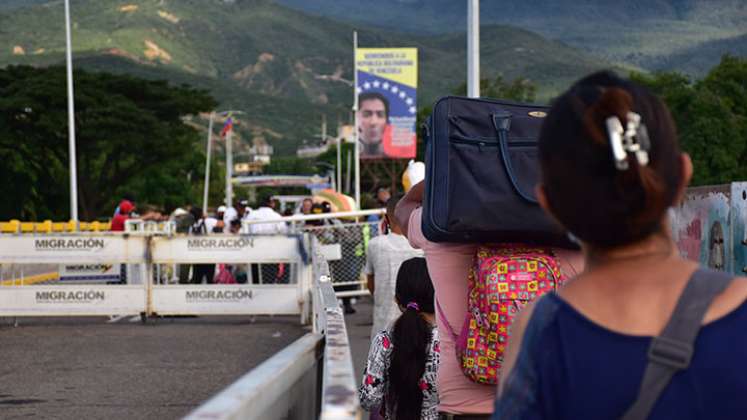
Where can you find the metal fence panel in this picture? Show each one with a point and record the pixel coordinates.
(352, 240)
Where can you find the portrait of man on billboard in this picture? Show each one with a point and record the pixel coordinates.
(373, 124)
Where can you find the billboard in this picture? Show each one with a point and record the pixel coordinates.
(387, 102)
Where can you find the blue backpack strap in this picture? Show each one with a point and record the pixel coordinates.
(672, 350)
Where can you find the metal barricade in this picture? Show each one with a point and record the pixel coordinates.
(249, 298)
(142, 253)
(343, 241)
(345, 246)
(72, 299)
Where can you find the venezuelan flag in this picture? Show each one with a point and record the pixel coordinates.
(228, 126)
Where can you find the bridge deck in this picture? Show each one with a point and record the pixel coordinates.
(71, 368)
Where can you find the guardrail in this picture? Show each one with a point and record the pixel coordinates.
(312, 378)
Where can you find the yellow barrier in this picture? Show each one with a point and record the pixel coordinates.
(10, 227)
(43, 227)
(48, 226)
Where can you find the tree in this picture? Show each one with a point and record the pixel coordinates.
(130, 138)
(711, 118)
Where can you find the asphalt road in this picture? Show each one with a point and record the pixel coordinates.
(86, 368)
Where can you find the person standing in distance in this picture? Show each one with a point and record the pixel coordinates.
(384, 256)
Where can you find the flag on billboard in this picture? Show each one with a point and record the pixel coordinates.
(228, 126)
(387, 102)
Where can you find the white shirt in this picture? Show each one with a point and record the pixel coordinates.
(229, 215)
(266, 213)
(210, 223)
(384, 256)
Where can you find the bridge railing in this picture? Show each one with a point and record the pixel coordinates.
(313, 378)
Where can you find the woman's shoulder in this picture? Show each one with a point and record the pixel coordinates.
(731, 299)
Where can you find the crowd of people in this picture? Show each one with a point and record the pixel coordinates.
(635, 332)
(191, 220)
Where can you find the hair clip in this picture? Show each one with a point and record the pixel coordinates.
(633, 139)
(414, 306)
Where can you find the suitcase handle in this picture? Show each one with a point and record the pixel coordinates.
(502, 124)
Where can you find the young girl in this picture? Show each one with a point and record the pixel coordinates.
(400, 375)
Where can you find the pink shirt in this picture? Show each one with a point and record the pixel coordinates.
(448, 266)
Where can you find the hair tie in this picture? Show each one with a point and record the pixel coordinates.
(414, 306)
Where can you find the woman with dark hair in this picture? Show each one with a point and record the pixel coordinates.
(400, 375)
(602, 347)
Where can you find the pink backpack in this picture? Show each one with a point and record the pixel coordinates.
(502, 281)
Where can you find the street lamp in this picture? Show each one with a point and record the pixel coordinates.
(473, 48)
(229, 160)
(71, 119)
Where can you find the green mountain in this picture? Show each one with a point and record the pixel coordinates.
(283, 67)
(693, 59)
(639, 32)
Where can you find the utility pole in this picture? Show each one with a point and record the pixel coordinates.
(71, 120)
(473, 48)
(229, 167)
(355, 129)
(207, 164)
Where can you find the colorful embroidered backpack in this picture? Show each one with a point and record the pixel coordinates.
(502, 281)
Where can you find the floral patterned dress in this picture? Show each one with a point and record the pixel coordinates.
(374, 385)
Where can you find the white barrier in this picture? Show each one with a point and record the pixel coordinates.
(235, 299)
(72, 300)
(224, 248)
(147, 251)
(66, 248)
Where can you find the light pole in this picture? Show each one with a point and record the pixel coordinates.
(355, 128)
(207, 164)
(473, 48)
(71, 120)
(229, 160)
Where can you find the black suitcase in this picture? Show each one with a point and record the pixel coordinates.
(481, 168)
